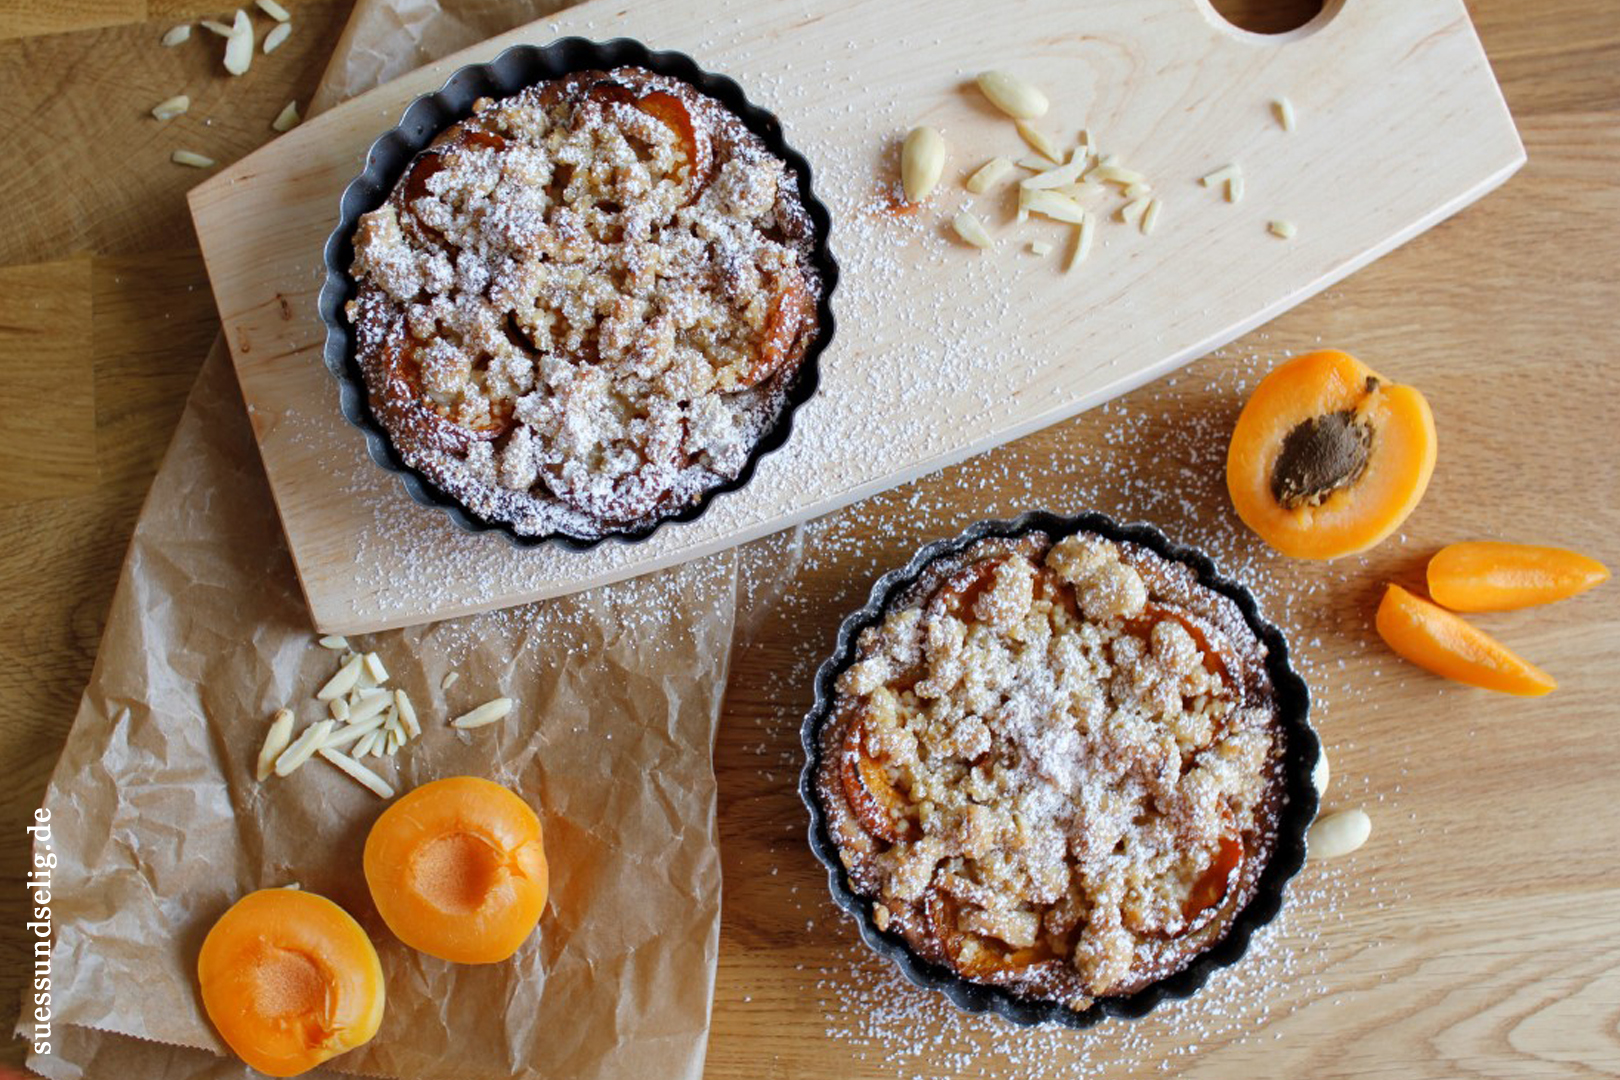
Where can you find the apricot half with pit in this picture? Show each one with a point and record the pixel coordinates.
(1329, 457)
(457, 870)
(290, 980)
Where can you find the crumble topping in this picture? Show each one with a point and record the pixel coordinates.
(1055, 768)
(582, 306)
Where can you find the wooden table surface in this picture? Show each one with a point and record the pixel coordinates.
(1475, 934)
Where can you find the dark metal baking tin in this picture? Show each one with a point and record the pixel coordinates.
(1298, 810)
(392, 154)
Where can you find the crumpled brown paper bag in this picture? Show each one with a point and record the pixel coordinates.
(158, 824)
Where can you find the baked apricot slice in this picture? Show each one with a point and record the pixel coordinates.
(1433, 638)
(1329, 457)
(876, 803)
(1491, 575)
(458, 871)
(789, 313)
(672, 112)
(290, 980)
(978, 956)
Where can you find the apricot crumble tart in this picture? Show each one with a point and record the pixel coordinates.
(1055, 767)
(583, 306)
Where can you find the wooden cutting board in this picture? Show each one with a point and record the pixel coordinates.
(941, 351)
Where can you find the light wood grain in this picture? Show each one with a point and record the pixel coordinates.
(1380, 85)
(1493, 954)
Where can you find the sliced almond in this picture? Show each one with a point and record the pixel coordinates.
(334, 642)
(1082, 191)
(449, 680)
(1012, 95)
(368, 742)
(222, 29)
(351, 733)
(303, 748)
(273, 9)
(342, 682)
(407, 713)
(191, 159)
(487, 713)
(339, 708)
(1131, 213)
(1321, 773)
(1284, 111)
(1234, 189)
(1220, 175)
(1284, 229)
(277, 739)
(1337, 834)
(239, 44)
(1051, 204)
(278, 33)
(169, 108)
(971, 229)
(1033, 163)
(1116, 174)
(1150, 217)
(1136, 191)
(988, 175)
(1082, 241)
(358, 772)
(287, 118)
(369, 706)
(374, 665)
(176, 35)
(1039, 141)
(1041, 248)
(1062, 176)
(922, 163)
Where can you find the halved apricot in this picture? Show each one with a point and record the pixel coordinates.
(673, 113)
(290, 980)
(458, 871)
(876, 803)
(1329, 457)
(790, 311)
(1433, 638)
(978, 956)
(1491, 575)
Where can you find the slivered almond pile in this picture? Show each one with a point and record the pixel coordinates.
(367, 719)
(1077, 186)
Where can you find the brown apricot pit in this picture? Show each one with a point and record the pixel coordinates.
(1322, 455)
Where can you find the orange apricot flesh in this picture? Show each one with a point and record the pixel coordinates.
(458, 870)
(1328, 457)
(1433, 638)
(1491, 575)
(290, 980)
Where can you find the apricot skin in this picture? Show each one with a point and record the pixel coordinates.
(457, 869)
(1433, 638)
(290, 980)
(1361, 514)
(1490, 575)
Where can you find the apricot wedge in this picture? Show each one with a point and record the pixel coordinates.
(1490, 575)
(1433, 638)
(1328, 457)
(290, 980)
(457, 870)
